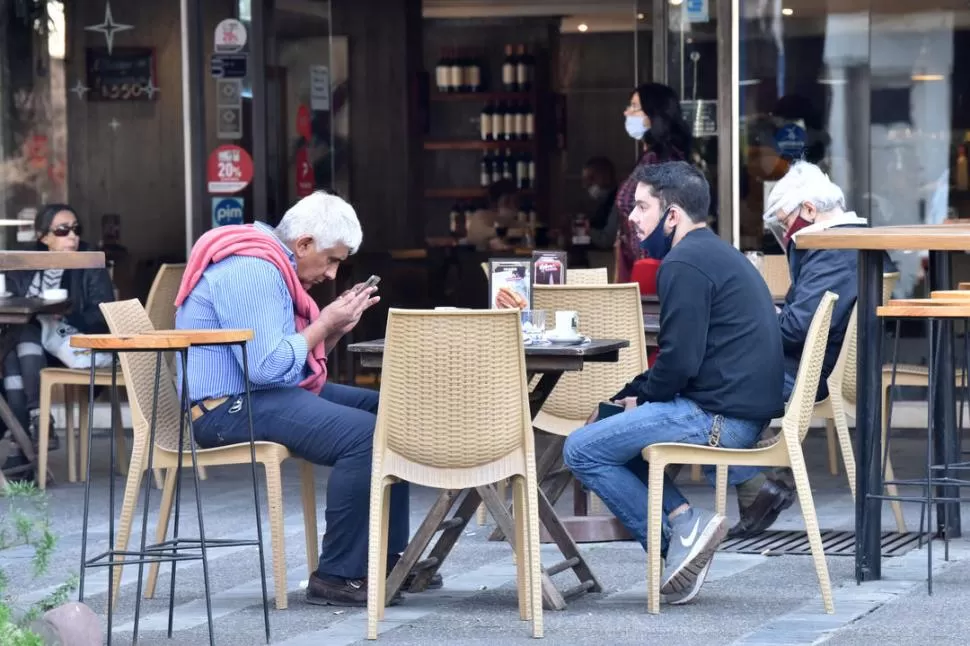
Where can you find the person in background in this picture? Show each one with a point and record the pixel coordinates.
(599, 180)
(805, 199)
(715, 382)
(57, 229)
(485, 228)
(653, 118)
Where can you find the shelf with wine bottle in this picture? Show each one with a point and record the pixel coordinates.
(460, 71)
(472, 144)
(482, 96)
(465, 193)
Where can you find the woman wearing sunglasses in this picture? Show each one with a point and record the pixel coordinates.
(57, 229)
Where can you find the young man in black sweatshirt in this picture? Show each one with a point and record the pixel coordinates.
(716, 381)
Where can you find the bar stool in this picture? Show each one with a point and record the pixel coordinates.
(179, 548)
(939, 474)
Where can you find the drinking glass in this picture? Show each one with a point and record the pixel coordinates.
(534, 326)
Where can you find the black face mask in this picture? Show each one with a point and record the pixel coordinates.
(658, 246)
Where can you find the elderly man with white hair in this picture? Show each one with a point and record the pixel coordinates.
(255, 277)
(805, 199)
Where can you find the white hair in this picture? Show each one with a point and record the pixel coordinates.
(326, 218)
(804, 182)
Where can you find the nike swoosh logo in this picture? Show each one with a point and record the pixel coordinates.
(690, 538)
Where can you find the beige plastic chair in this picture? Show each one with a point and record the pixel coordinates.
(774, 269)
(75, 383)
(786, 451)
(467, 426)
(129, 317)
(597, 276)
(841, 402)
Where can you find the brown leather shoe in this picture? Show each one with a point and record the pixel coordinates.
(773, 498)
(351, 593)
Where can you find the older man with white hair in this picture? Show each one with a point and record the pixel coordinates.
(805, 199)
(255, 277)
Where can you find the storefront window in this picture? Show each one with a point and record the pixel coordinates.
(870, 95)
(33, 121)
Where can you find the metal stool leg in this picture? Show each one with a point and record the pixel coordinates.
(111, 492)
(148, 488)
(259, 522)
(178, 501)
(87, 484)
(198, 497)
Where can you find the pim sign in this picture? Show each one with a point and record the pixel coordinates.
(227, 210)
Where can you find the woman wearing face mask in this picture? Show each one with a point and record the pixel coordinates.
(653, 118)
(57, 229)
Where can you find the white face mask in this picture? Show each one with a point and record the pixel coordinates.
(635, 127)
(596, 191)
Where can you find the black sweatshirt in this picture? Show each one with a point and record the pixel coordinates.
(720, 345)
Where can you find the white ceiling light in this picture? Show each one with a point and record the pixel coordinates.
(787, 11)
(676, 3)
(582, 26)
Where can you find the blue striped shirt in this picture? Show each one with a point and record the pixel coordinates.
(250, 293)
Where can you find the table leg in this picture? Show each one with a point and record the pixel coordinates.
(868, 564)
(946, 439)
(17, 431)
(433, 523)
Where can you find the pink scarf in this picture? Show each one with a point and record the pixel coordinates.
(245, 240)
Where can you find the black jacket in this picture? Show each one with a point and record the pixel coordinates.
(719, 341)
(814, 272)
(86, 289)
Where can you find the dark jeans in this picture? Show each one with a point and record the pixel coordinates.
(21, 371)
(335, 429)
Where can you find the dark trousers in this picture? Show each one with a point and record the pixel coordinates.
(22, 364)
(335, 429)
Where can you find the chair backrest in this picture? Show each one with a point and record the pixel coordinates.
(843, 377)
(775, 271)
(605, 312)
(130, 317)
(454, 409)
(799, 414)
(597, 276)
(161, 297)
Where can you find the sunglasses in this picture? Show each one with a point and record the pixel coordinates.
(65, 229)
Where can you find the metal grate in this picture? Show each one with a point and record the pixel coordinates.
(779, 543)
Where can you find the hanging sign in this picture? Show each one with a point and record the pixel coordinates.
(230, 170)
(230, 36)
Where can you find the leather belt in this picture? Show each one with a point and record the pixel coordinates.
(207, 405)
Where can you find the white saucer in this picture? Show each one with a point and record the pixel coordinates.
(565, 340)
(53, 300)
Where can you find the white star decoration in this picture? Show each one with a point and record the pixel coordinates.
(108, 27)
(114, 124)
(151, 89)
(80, 89)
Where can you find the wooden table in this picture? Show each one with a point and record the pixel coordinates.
(16, 311)
(872, 243)
(550, 362)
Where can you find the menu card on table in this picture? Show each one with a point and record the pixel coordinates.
(549, 267)
(510, 283)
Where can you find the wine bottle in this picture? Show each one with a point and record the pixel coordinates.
(523, 69)
(508, 123)
(518, 127)
(497, 164)
(454, 72)
(529, 123)
(508, 165)
(485, 125)
(522, 171)
(508, 70)
(441, 71)
(473, 75)
(486, 170)
(531, 171)
(453, 219)
(498, 122)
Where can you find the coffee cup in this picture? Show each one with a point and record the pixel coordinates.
(567, 324)
(54, 294)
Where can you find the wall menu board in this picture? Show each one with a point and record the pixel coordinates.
(127, 74)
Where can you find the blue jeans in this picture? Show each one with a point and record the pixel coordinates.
(605, 456)
(335, 429)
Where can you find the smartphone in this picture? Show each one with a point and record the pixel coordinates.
(371, 282)
(608, 409)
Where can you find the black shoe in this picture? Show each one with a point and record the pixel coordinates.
(351, 593)
(53, 442)
(773, 498)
